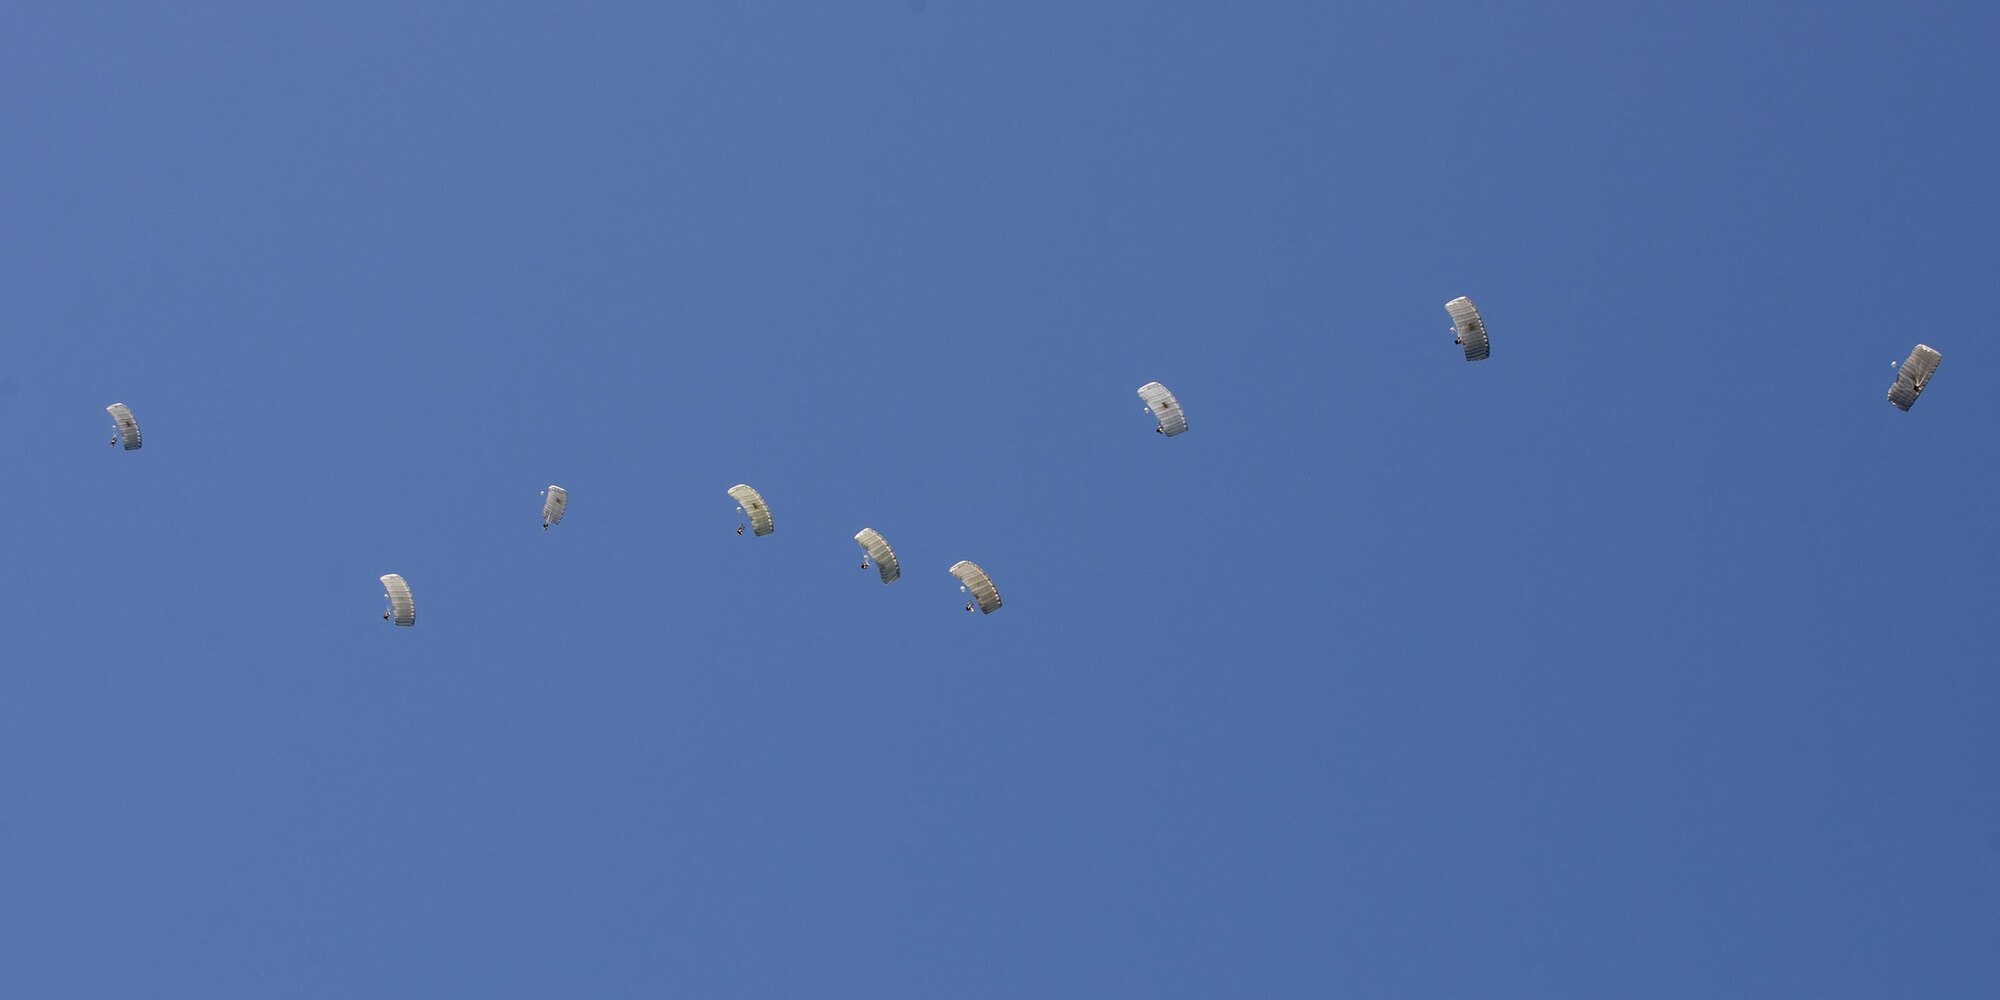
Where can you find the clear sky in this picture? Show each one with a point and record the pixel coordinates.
(1653, 657)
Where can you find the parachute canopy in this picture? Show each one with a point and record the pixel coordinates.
(981, 585)
(1166, 409)
(1470, 328)
(553, 507)
(126, 423)
(1910, 381)
(754, 507)
(884, 557)
(402, 607)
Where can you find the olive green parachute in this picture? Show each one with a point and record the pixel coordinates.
(753, 506)
(878, 551)
(1468, 327)
(1165, 409)
(974, 579)
(126, 425)
(402, 607)
(1910, 380)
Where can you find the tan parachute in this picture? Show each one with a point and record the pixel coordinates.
(1468, 328)
(553, 507)
(126, 424)
(1164, 408)
(402, 607)
(974, 579)
(1910, 380)
(876, 550)
(752, 504)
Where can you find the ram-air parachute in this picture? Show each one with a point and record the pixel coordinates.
(752, 504)
(402, 607)
(1910, 380)
(1164, 408)
(126, 425)
(553, 507)
(1469, 331)
(876, 549)
(974, 579)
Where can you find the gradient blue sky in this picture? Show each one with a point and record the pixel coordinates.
(1654, 657)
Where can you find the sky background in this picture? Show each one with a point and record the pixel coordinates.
(1654, 657)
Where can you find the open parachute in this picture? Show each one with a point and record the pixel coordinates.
(1469, 329)
(753, 506)
(878, 551)
(554, 505)
(402, 607)
(126, 424)
(1910, 380)
(975, 580)
(1165, 409)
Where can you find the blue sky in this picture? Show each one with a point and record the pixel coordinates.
(1652, 657)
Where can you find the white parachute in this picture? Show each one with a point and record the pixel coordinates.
(1468, 329)
(126, 425)
(553, 507)
(751, 504)
(876, 549)
(974, 579)
(1164, 408)
(402, 607)
(1910, 380)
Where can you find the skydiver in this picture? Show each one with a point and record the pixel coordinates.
(739, 529)
(968, 605)
(1159, 429)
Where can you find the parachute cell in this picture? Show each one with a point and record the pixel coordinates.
(1910, 380)
(1471, 330)
(1166, 409)
(754, 507)
(402, 607)
(126, 424)
(553, 507)
(878, 550)
(981, 585)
